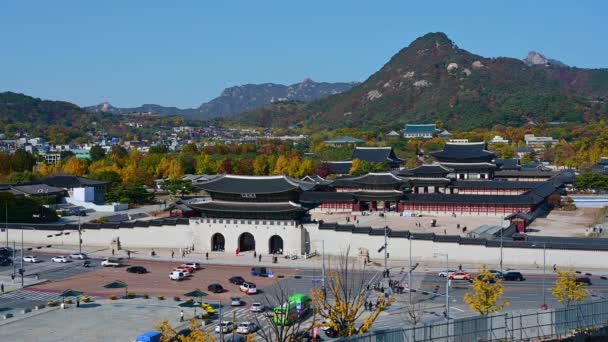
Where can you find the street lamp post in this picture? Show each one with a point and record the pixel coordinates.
(544, 306)
(385, 249)
(409, 274)
(79, 235)
(447, 285)
(501, 229)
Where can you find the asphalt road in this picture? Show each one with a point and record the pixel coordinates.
(46, 269)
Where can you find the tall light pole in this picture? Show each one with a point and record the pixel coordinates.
(79, 235)
(409, 274)
(323, 262)
(6, 222)
(544, 306)
(447, 285)
(22, 270)
(501, 221)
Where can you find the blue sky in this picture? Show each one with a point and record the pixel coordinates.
(182, 53)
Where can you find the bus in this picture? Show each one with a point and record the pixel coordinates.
(297, 307)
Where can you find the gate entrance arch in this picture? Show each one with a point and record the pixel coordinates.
(246, 242)
(218, 242)
(275, 245)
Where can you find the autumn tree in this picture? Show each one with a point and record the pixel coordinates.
(97, 153)
(5, 163)
(225, 166)
(175, 170)
(306, 168)
(567, 290)
(282, 166)
(341, 301)
(356, 167)
(197, 333)
(167, 331)
(75, 166)
(260, 165)
(487, 290)
(49, 169)
(204, 165)
(22, 161)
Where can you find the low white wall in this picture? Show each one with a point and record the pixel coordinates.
(398, 248)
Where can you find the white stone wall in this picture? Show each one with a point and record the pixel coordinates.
(423, 250)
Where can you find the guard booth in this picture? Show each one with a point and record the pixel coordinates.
(520, 221)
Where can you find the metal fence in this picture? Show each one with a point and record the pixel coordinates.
(503, 327)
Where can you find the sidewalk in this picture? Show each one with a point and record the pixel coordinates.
(247, 259)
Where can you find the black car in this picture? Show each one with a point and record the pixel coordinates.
(6, 261)
(137, 269)
(215, 288)
(491, 280)
(184, 332)
(583, 281)
(236, 280)
(513, 276)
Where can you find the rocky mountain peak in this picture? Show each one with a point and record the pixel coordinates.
(536, 58)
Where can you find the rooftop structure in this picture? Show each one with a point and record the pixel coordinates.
(343, 141)
(377, 155)
(424, 131)
(463, 153)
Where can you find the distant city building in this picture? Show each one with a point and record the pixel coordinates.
(539, 143)
(522, 151)
(459, 141)
(424, 131)
(499, 140)
(343, 141)
(52, 158)
(392, 135)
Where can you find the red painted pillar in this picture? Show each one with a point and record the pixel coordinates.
(374, 206)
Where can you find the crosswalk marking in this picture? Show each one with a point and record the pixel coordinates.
(31, 295)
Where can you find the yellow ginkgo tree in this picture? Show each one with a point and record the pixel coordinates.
(342, 302)
(485, 295)
(567, 290)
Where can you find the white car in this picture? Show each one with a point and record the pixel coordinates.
(30, 258)
(177, 275)
(257, 307)
(60, 258)
(445, 273)
(111, 262)
(194, 265)
(248, 288)
(80, 256)
(246, 327)
(235, 301)
(224, 327)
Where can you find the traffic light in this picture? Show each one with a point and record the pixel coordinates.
(21, 271)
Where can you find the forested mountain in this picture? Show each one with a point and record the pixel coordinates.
(239, 99)
(433, 79)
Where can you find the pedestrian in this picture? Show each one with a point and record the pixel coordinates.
(445, 232)
(255, 254)
(460, 267)
(2, 287)
(181, 316)
(112, 251)
(183, 253)
(554, 267)
(129, 254)
(207, 255)
(77, 302)
(172, 254)
(259, 257)
(388, 273)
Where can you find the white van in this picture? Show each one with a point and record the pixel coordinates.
(177, 275)
(248, 288)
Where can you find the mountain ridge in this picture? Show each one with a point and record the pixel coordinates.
(433, 79)
(238, 99)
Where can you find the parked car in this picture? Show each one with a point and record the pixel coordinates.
(137, 269)
(511, 276)
(177, 275)
(257, 307)
(248, 288)
(490, 280)
(6, 261)
(583, 281)
(246, 327)
(80, 256)
(60, 258)
(259, 271)
(224, 327)
(460, 276)
(183, 270)
(445, 273)
(236, 280)
(215, 288)
(31, 258)
(496, 273)
(111, 262)
(184, 332)
(193, 265)
(235, 301)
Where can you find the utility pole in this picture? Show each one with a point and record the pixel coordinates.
(447, 285)
(323, 262)
(385, 248)
(544, 274)
(6, 222)
(409, 274)
(79, 235)
(221, 327)
(22, 270)
(501, 221)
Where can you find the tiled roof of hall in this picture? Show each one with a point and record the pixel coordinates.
(237, 184)
(375, 154)
(524, 199)
(488, 184)
(316, 179)
(247, 207)
(469, 166)
(372, 178)
(430, 169)
(463, 151)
